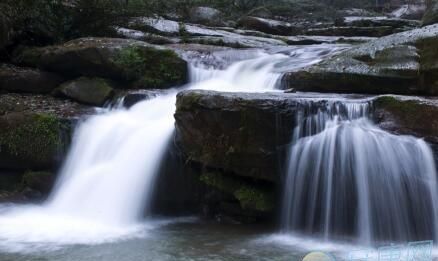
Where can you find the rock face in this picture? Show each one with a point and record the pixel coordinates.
(431, 15)
(240, 133)
(206, 15)
(144, 65)
(19, 79)
(93, 91)
(35, 130)
(408, 116)
(403, 63)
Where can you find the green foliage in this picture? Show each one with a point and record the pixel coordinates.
(151, 68)
(250, 196)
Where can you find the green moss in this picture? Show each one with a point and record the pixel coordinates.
(250, 196)
(31, 136)
(254, 198)
(152, 68)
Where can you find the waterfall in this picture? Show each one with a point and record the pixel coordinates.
(348, 179)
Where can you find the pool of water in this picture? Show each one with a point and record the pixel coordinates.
(189, 239)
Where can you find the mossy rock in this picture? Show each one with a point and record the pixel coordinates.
(130, 61)
(93, 91)
(152, 68)
(29, 140)
(250, 196)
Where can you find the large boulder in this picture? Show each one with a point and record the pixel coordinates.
(92, 91)
(145, 65)
(403, 63)
(206, 15)
(431, 15)
(21, 79)
(236, 132)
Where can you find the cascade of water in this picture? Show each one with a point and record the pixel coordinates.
(107, 179)
(349, 179)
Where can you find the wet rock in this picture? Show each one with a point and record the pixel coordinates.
(268, 26)
(92, 91)
(408, 115)
(146, 37)
(356, 12)
(431, 15)
(142, 64)
(206, 15)
(21, 79)
(236, 132)
(403, 63)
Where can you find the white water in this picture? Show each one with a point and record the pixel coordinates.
(108, 178)
(348, 179)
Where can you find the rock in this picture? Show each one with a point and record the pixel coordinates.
(206, 15)
(403, 63)
(431, 15)
(356, 12)
(408, 115)
(20, 79)
(145, 65)
(268, 26)
(41, 181)
(30, 140)
(349, 31)
(395, 23)
(93, 91)
(146, 37)
(409, 11)
(236, 132)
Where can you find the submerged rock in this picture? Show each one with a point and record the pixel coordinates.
(403, 63)
(431, 15)
(142, 64)
(93, 91)
(21, 79)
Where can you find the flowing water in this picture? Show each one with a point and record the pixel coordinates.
(348, 179)
(97, 209)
